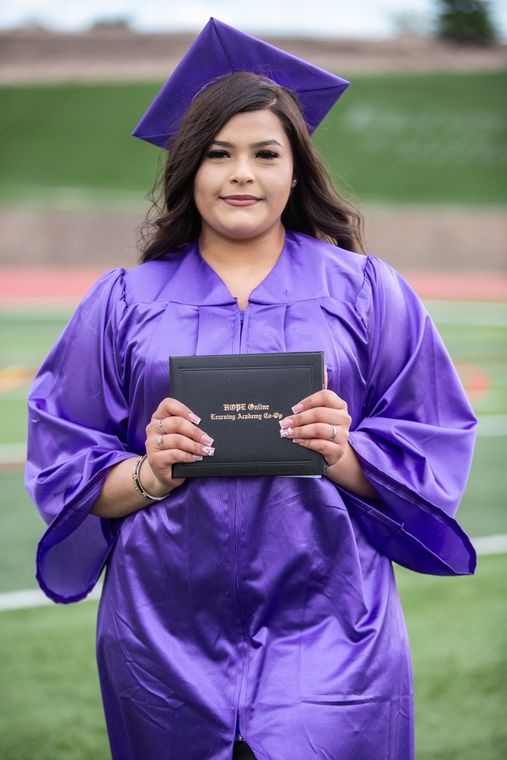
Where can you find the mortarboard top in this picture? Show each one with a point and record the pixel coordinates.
(220, 50)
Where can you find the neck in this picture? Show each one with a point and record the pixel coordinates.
(235, 254)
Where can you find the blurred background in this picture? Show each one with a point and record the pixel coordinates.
(418, 142)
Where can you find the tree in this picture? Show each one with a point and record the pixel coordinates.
(466, 22)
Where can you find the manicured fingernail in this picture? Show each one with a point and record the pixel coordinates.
(286, 432)
(297, 440)
(298, 408)
(208, 451)
(287, 422)
(205, 438)
(195, 458)
(194, 418)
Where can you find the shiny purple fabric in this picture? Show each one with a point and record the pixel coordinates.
(267, 599)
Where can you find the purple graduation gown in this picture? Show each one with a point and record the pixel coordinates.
(270, 601)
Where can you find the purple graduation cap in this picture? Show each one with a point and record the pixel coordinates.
(220, 50)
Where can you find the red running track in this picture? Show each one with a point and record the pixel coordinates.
(57, 286)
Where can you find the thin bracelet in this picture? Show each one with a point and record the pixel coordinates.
(139, 486)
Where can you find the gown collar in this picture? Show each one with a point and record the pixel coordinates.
(296, 274)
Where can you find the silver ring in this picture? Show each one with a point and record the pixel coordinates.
(160, 442)
(333, 433)
(159, 427)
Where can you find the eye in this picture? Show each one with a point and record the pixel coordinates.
(216, 154)
(267, 154)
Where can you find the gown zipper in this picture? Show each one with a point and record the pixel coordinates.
(241, 318)
(237, 735)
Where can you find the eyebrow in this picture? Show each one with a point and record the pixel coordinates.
(253, 145)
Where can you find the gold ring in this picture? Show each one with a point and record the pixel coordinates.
(160, 442)
(333, 432)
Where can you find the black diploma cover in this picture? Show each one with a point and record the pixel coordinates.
(240, 399)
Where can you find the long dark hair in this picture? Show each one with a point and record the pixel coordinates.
(314, 206)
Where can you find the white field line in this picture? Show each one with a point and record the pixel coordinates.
(491, 425)
(467, 313)
(487, 545)
(18, 600)
(12, 453)
(468, 321)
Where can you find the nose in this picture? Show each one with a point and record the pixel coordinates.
(242, 172)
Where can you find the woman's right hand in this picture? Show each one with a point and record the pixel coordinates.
(172, 436)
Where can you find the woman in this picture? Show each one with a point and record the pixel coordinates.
(264, 605)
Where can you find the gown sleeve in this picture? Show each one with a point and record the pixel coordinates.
(77, 422)
(416, 435)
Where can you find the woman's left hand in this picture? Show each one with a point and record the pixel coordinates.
(312, 424)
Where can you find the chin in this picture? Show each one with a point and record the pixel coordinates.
(242, 231)
(250, 232)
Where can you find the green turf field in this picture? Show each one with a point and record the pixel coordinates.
(428, 138)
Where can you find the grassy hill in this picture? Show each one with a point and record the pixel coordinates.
(416, 138)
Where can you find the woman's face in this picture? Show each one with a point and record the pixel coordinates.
(250, 156)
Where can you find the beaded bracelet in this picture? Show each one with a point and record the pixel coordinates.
(139, 486)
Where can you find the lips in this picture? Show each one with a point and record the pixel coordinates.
(240, 200)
